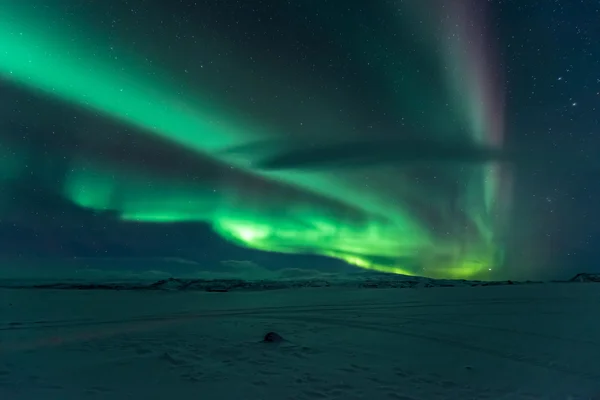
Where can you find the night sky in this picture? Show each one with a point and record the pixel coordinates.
(445, 138)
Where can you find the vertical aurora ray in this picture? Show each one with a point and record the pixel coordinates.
(474, 78)
(472, 75)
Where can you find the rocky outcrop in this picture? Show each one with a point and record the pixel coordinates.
(585, 277)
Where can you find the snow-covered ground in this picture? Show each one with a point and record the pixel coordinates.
(539, 341)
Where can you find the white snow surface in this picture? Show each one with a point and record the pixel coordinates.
(529, 342)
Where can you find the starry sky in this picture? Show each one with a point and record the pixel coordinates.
(452, 139)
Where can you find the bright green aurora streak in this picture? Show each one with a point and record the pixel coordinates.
(284, 212)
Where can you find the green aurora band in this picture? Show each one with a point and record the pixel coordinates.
(289, 212)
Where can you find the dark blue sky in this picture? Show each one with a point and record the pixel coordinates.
(552, 58)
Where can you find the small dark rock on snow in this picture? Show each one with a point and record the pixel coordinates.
(273, 337)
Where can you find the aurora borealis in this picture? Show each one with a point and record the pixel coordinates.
(150, 129)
